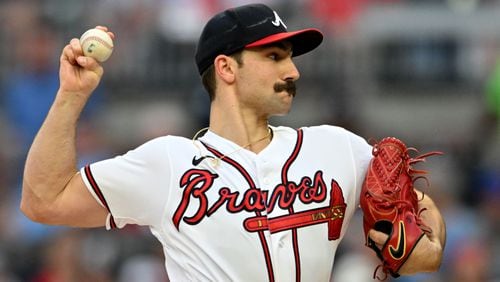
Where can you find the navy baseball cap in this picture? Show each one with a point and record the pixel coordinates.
(249, 26)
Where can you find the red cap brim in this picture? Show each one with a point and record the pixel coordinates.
(303, 40)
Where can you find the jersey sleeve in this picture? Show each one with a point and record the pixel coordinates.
(133, 187)
(362, 154)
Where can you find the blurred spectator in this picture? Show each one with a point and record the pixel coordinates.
(29, 91)
(31, 86)
(144, 268)
(99, 252)
(493, 92)
(336, 16)
(60, 259)
(182, 20)
(471, 262)
(134, 24)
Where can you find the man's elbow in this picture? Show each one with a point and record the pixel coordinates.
(34, 209)
(29, 210)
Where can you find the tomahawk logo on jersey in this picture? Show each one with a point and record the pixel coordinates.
(196, 182)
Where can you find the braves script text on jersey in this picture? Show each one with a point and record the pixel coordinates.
(273, 216)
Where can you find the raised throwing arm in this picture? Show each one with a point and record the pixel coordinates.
(53, 191)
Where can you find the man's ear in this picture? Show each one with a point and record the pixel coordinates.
(224, 68)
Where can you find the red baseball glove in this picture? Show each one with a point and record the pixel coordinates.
(390, 204)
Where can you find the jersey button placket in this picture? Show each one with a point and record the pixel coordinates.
(264, 172)
(268, 174)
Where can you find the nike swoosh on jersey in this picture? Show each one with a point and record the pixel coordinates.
(399, 252)
(197, 161)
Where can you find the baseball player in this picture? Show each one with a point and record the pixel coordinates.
(242, 200)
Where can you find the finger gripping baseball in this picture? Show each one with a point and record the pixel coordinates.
(390, 204)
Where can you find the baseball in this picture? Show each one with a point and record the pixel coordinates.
(97, 44)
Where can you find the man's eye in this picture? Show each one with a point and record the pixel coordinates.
(273, 56)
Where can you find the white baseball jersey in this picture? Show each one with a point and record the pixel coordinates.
(278, 215)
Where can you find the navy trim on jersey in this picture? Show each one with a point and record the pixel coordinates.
(251, 183)
(99, 194)
(284, 179)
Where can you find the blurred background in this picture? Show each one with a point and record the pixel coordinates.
(426, 71)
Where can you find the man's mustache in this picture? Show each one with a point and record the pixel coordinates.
(289, 86)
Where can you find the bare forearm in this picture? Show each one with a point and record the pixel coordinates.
(433, 218)
(51, 161)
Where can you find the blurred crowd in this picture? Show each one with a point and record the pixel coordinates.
(151, 88)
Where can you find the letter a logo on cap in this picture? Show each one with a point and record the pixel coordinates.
(277, 20)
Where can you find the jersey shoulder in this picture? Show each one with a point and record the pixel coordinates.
(330, 135)
(160, 150)
(323, 132)
(168, 141)
(317, 129)
(326, 128)
(329, 131)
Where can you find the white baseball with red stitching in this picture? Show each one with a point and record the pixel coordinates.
(97, 44)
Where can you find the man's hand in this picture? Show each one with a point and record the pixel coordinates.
(379, 238)
(427, 254)
(79, 75)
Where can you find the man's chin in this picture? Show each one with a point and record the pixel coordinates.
(287, 93)
(282, 113)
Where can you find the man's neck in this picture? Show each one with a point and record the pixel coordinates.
(243, 128)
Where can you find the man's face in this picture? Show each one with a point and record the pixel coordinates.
(266, 79)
